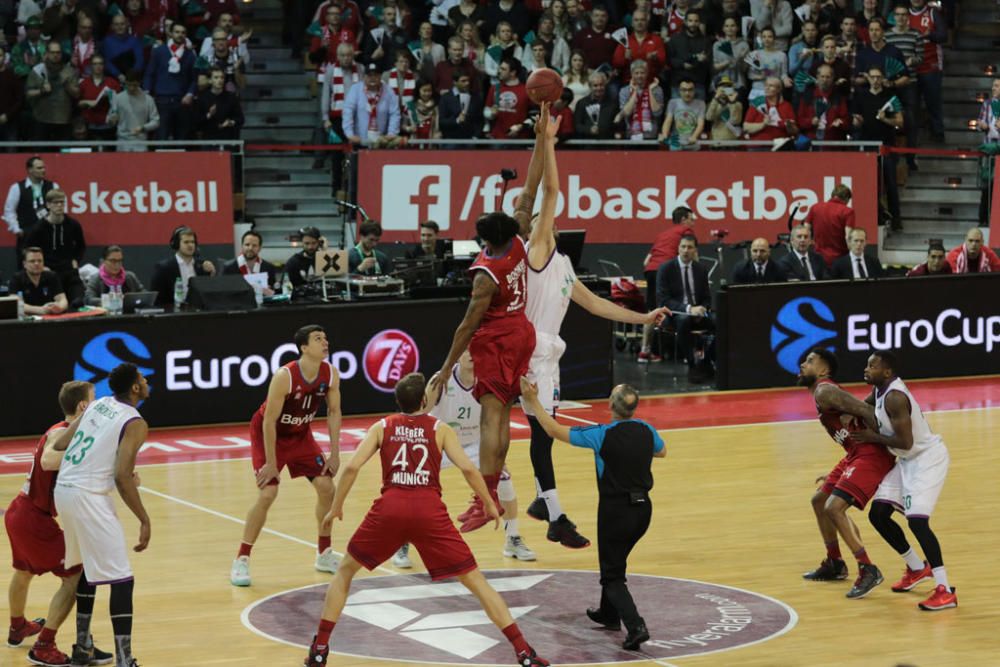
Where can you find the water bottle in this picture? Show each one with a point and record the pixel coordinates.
(286, 286)
(116, 300)
(20, 305)
(258, 293)
(179, 294)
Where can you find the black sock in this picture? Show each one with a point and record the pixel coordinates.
(880, 516)
(541, 457)
(927, 540)
(121, 620)
(85, 594)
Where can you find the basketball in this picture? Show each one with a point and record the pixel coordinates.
(544, 85)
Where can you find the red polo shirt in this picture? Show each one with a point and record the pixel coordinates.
(829, 220)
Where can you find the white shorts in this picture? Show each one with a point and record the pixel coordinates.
(913, 485)
(471, 450)
(93, 534)
(543, 370)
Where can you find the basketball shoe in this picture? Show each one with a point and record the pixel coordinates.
(942, 598)
(563, 531)
(636, 636)
(530, 659)
(828, 570)
(538, 509)
(911, 578)
(477, 517)
(601, 618)
(318, 655)
(515, 547)
(47, 653)
(28, 629)
(327, 561)
(85, 657)
(239, 573)
(463, 517)
(868, 578)
(402, 558)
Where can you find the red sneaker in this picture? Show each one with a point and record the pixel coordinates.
(911, 578)
(47, 653)
(655, 358)
(470, 510)
(318, 654)
(941, 598)
(476, 518)
(643, 357)
(29, 629)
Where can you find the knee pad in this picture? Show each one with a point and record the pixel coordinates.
(505, 489)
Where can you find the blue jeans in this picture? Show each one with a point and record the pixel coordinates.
(929, 86)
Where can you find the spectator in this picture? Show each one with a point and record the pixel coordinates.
(351, 14)
(759, 269)
(61, 239)
(11, 98)
(122, 51)
(217, 111)
(427, 52)
(766, 62)
(402, 80)
(869, 11)
(337, 80)
(205, 23)
(931, 25)
(802, 262)
(669, 23)
(134, 115)
(51, 89)
(805, 51)
(832, 14)
(83, 47)
(237, 42)
(876, 54)
(507, 103)
(682, 286)
(725, 112)
(363, 258)
(936, 264)
(841, 71)
(96, 93)
(38, 287)
(30, 51)
(810, 10)
(640, 104)
(973, 256)
(558, 10)
(511, 11)
(24, 208)
(504, 45)
(595, 42)
(847, 42)
(856, 265)
(716, 14)
(225, 59)
(576, 18)
(421, 119)
(561, 111)
(685, 117)
(989, 123)
(430, 244)
(911, 44)
(877, 119)
(324, 47)
(774, 118)
(171, 82)
(774, 14)
(461, 110)
(183, 265)
(576, 80)
(380, 45)
(640, 45)
(539, 58)
(664, 248)
(444, 71)
(594, 116)
(144, 23)
(371, 111)
(831, 223)
(556, 48)
(250, 262)
(822, 112)
(111, 274)
(300, 267)
(471, 45)
(467, 10)
(690, 56)
(729, 55)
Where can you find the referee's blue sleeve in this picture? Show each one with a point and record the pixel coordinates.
(658, 443)
(590, 437)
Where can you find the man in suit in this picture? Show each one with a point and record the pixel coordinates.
(759, 269)
(855, 265)
(250, 261)
(682, 286)
(803, 263)
(460, 112)
(183, 264)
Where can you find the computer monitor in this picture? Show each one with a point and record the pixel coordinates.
(461, 248)
(570, 243)
(421, 271)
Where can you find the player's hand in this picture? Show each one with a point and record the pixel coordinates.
(431, 394)
(336, 512)
(144, 531)
(267, 472)
(332, 465)
(439, 381)
(655, 317)
(529, 391)
(492, 512)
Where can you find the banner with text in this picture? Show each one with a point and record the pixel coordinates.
(618, 197)
(137, 198)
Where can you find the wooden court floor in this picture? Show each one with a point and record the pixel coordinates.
(731, 507)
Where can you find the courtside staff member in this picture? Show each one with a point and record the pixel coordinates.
(623, 452)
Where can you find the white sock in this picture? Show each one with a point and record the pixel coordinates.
(551, 498)
(538, 488)
(913, 561)
(941, 577)
(510, 527)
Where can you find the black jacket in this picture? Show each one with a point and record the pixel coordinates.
(232, 267)
(61, 244)
(299, 267)
(841, 268)
(745, 273)
(583, 117)
(795, 271)
(448, 110)
(165, 275)
(670, 286)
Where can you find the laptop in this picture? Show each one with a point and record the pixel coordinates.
(461, 248)
(8, 307)
(137, 301)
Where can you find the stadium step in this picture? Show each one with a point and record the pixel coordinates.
(299, 79)
(277, 134)
(905, 241)
(945, 211)
(258, 177)
(279, 162)
(938, 179)
(934, 228)
(277, 107)
(276, 66)
(294, 191)
(283, 119)
(938, 195)
(281, 208)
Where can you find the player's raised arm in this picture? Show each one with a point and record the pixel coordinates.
(611, 311)
(483, 290)
(277, 390)
(829, 397)
(125, 480)
(333, 420)
(529, 394)
(542, 241)
(369, 445)
(449, 443)
(897, 405)
(526, 200)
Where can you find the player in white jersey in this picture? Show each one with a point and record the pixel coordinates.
(101, 446)
(914, 483)
(552, 284)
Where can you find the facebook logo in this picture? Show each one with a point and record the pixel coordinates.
(414, 193)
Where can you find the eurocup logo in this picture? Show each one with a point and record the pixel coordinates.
(389, 356)
(799, 328)
(104, 352)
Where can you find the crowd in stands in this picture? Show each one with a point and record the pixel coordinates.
(125, 71)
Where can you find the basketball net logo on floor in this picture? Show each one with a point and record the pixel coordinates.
(409, 618)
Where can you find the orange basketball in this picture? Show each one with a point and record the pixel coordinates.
(544, 85)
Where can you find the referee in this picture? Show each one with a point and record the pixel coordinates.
(623, 452)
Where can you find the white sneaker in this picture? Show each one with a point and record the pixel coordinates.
(327, 561)
(516, 548)
(239, 573)
(402, 558)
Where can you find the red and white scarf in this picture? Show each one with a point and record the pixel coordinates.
(373, 100)
(176, 53)
(962, 262)
(338, 89)
(641, 121)
(404, 85)
(245, 269)
(82, 53)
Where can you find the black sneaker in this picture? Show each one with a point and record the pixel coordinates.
(318, 655)
(868, 578)
(599, 617)
(635, 637)
(538, 509)
(530, 659)
(828, 570)
(563, 531)
(85, 657)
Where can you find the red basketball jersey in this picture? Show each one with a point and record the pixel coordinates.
(304, 399)
(41, 483)
(841, 434)
(510, 272)
(411, 457)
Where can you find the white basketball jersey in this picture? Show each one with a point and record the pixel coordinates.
(459, 410)
(89, 462)
(923, 437)
(549, 292)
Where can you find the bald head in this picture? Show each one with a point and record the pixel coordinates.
(974, 242)
(624, 401)
(760, 251)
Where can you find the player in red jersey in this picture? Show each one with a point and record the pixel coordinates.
(410, 509)
(495, 329)
(38, 547)
(855, 478)
(281, 435)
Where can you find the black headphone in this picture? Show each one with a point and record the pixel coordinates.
(309, 231)
(175, 237)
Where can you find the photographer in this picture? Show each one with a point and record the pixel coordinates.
(725, 112)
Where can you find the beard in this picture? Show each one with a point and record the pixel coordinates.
(804, 380)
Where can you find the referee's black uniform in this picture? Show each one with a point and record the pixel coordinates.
(623, 452)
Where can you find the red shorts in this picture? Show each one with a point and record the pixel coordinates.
(501, 352)
(36, 540)
(299, 452)
(860, 472)
(416, 517)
